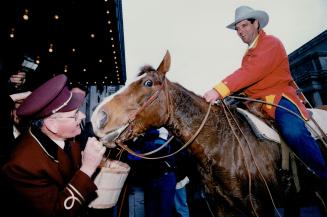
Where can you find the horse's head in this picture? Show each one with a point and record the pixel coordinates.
(134, 108)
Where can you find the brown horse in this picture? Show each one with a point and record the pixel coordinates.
(239, 171)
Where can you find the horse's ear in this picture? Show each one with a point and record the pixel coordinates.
(165, 64)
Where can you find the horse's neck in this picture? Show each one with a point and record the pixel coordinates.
(187, 112)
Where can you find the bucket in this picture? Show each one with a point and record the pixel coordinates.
(109, 181)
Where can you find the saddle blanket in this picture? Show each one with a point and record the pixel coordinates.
(264, 131)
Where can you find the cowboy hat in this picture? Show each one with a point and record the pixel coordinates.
(245, 12)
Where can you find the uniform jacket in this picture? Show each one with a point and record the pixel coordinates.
(264, 74)
(46, 178)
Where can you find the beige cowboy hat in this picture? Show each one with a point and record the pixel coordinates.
(245, 12)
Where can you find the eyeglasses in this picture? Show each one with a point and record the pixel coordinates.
(75, 116)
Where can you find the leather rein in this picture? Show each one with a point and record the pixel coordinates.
(148, 102)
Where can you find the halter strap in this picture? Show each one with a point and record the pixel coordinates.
(130, 151)
(148, 102)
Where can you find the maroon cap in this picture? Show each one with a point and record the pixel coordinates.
(51, 97)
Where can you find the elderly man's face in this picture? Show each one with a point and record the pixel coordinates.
(247, 31)
(66, 124)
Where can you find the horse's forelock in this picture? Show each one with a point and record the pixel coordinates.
(145, 69)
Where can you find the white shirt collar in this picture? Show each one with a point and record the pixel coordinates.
(60, 143)
(254, 42)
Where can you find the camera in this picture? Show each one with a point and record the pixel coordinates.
(28, 65)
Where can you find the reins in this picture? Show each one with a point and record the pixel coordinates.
(324, 136)
(226, 109)
(324, 139)
(168, 155)
(247, 142)
(147, 103)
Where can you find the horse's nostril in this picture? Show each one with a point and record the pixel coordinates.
(103, 118)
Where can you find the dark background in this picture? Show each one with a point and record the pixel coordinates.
(96, 60)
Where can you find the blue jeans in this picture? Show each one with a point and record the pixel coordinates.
(181, 202)
(298, 138)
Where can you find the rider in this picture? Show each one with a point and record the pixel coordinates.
(264, 74)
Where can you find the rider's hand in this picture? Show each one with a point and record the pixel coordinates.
(92, 156)
(211, 96)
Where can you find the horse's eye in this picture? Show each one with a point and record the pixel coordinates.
(148, 83)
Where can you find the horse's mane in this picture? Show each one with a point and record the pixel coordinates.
(182, 88)
(188, 94)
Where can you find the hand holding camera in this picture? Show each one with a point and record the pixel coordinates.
(18, 79)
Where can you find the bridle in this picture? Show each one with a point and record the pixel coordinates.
(148, 102)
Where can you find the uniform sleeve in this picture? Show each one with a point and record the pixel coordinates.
(46, 196)
(78, 193)
(257, 63)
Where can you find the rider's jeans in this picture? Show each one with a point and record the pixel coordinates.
(299, 139)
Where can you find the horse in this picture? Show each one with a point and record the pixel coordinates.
(240, 172)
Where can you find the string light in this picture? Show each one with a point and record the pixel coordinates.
(51, 48)
(12, 33)
(38, 60)
(55, 47)
(65, 68)
(25, 15)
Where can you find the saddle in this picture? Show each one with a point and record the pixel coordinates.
(264, 128)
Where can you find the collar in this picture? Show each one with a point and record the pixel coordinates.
(16, 132)
(254, 42)
(60, 143)
(257, 39)
(48, 145)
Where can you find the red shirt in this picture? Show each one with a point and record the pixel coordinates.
(264, 74)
